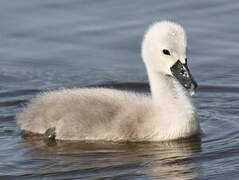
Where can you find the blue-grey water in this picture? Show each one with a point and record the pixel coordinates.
(45, 45)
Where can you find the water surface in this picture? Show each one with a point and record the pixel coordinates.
(69, 43)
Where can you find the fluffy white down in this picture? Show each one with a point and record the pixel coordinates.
(114, 115)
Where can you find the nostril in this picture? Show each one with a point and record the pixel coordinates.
(182, 71)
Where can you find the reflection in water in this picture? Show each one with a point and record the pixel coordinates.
(167, 160)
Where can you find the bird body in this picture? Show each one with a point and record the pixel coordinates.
(114, 115)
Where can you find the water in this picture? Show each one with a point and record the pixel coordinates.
(68, 43)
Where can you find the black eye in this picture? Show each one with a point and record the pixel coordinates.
(166, 52)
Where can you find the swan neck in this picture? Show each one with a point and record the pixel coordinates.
(163, 89)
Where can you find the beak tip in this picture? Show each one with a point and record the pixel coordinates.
(191, 87)
(195, 84)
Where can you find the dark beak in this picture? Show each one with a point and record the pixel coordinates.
(183, 75)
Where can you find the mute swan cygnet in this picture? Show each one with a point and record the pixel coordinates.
(114, 115)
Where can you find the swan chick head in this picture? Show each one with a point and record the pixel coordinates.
(164, 51)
